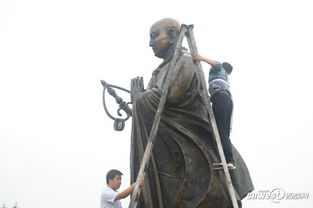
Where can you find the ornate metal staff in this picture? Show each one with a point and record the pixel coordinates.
(119, 123)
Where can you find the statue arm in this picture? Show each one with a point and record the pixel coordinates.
(179, 89)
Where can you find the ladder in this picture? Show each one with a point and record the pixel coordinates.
(186, 30)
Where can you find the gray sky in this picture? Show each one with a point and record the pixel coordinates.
(56, 141)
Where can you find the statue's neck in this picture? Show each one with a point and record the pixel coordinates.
(170, 53)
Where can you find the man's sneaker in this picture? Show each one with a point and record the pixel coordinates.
(219, 166)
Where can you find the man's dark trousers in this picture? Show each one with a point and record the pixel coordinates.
(222, 105)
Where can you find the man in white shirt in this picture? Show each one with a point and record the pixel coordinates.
(110, 198)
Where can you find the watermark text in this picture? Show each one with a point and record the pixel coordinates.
(276, 195)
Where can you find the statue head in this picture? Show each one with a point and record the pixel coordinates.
(163, 37)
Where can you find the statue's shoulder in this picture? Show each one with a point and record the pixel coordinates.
(185, 56)
(186, 59)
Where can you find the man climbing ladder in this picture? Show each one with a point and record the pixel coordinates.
(222, 103)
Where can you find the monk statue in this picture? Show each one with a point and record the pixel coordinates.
(180, 173)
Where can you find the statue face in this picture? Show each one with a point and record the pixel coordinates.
(159, 40)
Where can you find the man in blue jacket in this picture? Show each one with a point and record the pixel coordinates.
(222, 103)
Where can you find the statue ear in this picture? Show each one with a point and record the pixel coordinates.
(172, 35)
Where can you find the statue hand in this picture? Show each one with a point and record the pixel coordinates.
(136, 87)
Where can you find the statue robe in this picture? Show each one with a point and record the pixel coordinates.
(180, 172)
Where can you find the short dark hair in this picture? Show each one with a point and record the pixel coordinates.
(112, 173)
(228, 68)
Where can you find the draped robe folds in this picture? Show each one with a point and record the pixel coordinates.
(180, 172)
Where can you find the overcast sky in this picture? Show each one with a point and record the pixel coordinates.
(56, 142)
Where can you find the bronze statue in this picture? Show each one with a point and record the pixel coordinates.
(180, 173)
